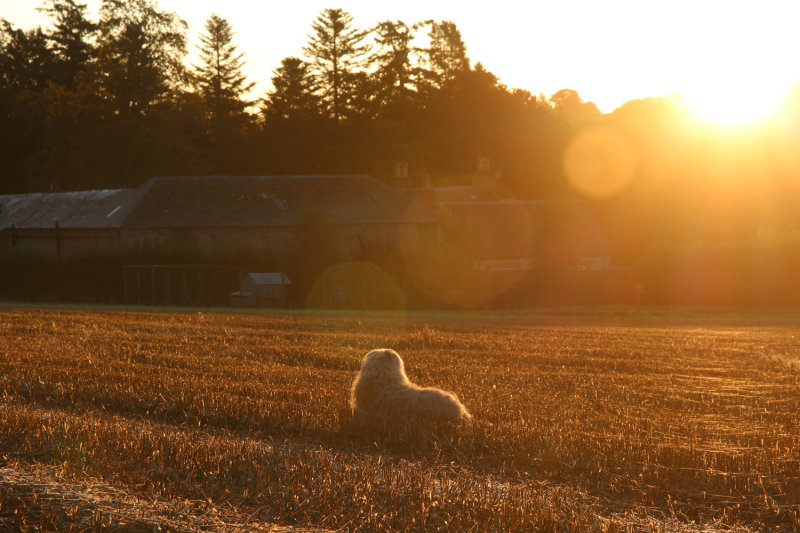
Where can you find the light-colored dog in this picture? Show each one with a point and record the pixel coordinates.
(382, 389)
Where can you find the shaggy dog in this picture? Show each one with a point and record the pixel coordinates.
(382, 389)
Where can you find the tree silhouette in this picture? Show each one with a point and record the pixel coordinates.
(25, 66)
(71, 40)
(220, 78)
(447, 55)
(292, 97)
(336, 53)
(393, 60)
(26, 62)
(141, 51)
(569, 105)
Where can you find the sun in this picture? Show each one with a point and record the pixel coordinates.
(739, 101)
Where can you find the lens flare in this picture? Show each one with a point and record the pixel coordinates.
(356, 285)
(599, 162)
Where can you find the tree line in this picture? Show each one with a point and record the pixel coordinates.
(111, 102)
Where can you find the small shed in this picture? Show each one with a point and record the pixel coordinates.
(263, 289)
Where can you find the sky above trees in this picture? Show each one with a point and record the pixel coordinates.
(719, 53)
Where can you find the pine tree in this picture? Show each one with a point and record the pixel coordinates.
(220, 78)
(71, 39)
(26, 60)
(292, 97)
(447, 55)
(337, 54)
(395, 72)
(140, 55)
(25, 67)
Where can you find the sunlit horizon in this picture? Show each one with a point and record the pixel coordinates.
(732, 64)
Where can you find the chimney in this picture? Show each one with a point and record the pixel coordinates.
(400, 180)
(401, 169)
(481, 183)
(483, 180)
(426, 193)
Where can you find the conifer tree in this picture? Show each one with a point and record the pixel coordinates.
(447, 55)
(292, 97)
(71, 39)
(220, 79)
(337, 54)
(140, 55)
(393, 61)
(25, 60)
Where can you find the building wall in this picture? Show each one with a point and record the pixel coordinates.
(355, 240)
(61, 243)
(344, 240)
(212, 240)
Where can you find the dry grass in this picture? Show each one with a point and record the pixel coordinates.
(237, 421)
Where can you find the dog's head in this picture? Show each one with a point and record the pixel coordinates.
(383, 362)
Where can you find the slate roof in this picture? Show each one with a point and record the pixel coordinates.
(83, 209)
(269, 278)
(272, 200)
(218, 201)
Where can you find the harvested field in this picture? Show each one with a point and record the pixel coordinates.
(119, 420)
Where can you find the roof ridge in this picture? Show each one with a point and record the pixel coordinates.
(348, 198)
(263, 176)
(136, 200)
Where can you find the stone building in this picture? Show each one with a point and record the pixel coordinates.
(191, 240)
(217, 215)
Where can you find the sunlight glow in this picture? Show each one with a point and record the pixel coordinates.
(737, 101)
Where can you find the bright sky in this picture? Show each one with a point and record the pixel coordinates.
(719, 53)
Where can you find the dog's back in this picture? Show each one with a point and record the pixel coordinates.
(381, 388)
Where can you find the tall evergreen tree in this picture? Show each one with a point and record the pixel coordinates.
(220, 78)
(337, 53)
(141, 51)
(395, 72)
(72, 116)
(447, 55)
(71, 39)
(292, 97)
(26, 62)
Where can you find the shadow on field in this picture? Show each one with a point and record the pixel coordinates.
(415, 436)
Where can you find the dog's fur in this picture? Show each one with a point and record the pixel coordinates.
(382, 389)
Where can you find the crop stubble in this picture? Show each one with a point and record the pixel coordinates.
(580, 422)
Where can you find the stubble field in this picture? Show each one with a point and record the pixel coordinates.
(140, 421)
